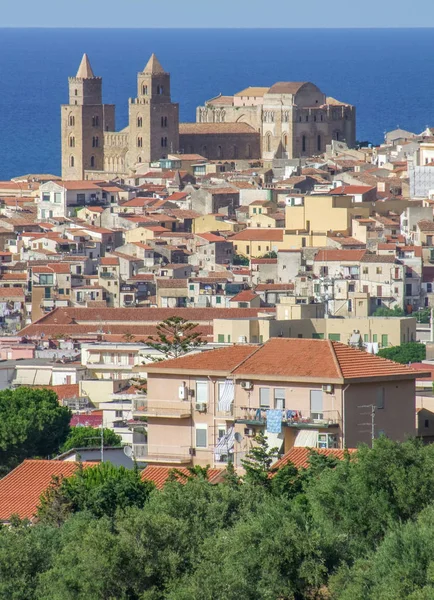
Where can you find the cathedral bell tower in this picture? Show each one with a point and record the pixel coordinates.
(84, 121)
(153, 117)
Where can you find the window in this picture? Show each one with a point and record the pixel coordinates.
(57, 197)
(46, 197)
(75, 92)
(145, 90)
(81, 197)
(61, 291)
(72, 141)
(220, 338)
(365, 338)
(201, 391)
(164, 142)
(317, 336)
(248, 151)
(379, 270)
(71, 161)
(303, 143)
(335, 337)
(218, 300)
(139, 121)
(316, 404)
(118, 414)
(219, 151)
(95, 141)
(92, 161)
(45, 279)
(71, 121)
(381, 396)
(264, 397)
(268, 142)
(384, 340)
(318, 143)
(95, 121)
(429, 287)
(139, 142)
(163, 121)
(426, 423)
(279, 398)
(201, 436)
(365, 270)
(375, 338)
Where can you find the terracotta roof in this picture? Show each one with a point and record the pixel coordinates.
(244, 296)
(171, 283)
(58, 268)
(15, 292)
(211, 237)
(293, 358)
(262, 287)
(13, 277)
(286, 87)
(95, 209)
(109, 261)
(339, 255)
(253, 92)
(426, 225)
(352, 189)
(159, 475)
(378, 258)
(21, 489)
(264, 261)
(215, 128)
(258, 234)
(299, 457)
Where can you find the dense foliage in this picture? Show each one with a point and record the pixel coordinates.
(357, 529)
(383, 311)
(85, 437)
(406, 353)
(32, 424)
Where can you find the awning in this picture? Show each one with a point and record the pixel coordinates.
(24, 377)
(43, 377)
(275, 440)
(306, 438)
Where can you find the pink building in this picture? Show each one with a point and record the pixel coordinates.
(206, 408)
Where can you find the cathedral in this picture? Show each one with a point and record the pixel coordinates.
(287, 120)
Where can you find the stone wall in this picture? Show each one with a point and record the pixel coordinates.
(243, 146)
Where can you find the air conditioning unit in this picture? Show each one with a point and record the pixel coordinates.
(248, 431)
(182, 392)
(201, 407)
(246, 385)
(328, 388)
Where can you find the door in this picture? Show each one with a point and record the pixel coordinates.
(316, 404)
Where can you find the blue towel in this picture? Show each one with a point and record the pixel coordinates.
(274, 421)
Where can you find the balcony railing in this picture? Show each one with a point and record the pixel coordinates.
(107, 275)
(162, 454)
(290, 418)
(162, 408)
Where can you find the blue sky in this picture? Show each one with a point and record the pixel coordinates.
(222, 13)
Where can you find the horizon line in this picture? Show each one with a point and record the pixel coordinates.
(199, 27)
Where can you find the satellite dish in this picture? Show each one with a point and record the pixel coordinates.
(128, 451)
(238, 437)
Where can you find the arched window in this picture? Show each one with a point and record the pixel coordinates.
(165, 121)
(235, 152)
(222, 116)
(139, 159)
(76, 92)
(95, 142)
(219, 151)
(139, 142)
(337, 136)
(139, 121)
(285, 141)
(248, 151)
(162, 142)
(318, 143)
(204, 150)
(72, 141)
(303, 143)
(71, 120)
(165, 142)
(307, 118)
(71, 161)
(95, 121)
(92, 161)
(268, 142)
(144, 90)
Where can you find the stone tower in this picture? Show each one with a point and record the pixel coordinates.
(153, 117)
(84, 121)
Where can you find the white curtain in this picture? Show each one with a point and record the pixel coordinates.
(226, 395)
(306, 438)
(225, 445)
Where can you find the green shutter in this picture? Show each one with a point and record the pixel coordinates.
(375, 338)
(366, 338)
(335, 337)
(384, 340)
(218, 300)
(221, 338)
(318, 336)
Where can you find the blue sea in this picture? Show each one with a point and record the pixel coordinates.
(387, 74)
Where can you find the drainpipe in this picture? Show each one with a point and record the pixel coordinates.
(343, 416)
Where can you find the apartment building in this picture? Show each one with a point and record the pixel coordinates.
(206, 408)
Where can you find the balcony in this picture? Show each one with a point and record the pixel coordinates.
(176, 455)
(162, 408)
(107, 275)
(292, 418)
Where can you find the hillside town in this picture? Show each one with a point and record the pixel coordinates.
(295, 254)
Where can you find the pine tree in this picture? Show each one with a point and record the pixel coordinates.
(175, 336)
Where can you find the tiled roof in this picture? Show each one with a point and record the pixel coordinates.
(262, 287)
(21, 489)
(259, 234)
(339, 255)
(64, 392)
(352, 189)
(253, 92)
(159, 475)
(286, 87)
(211, 237)
(293, 359)
(171, 283)
(244, 296)
(264, 261)
(299, 457)
(7, 293)
(221, 359)
(378, 258)
(58, 268)
(109, 261)
(426, 225)
(215, 128)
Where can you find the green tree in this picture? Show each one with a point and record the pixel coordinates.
(258, 461)
(240, 259)
(32, 424)
(87, 437)
(423, 315)
(383, 311)
(406, 353)
(271, 254)
(175, 336)
(101, 490)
